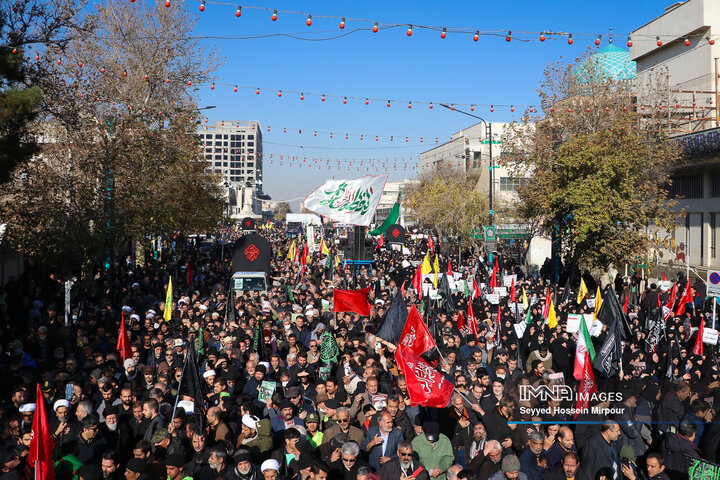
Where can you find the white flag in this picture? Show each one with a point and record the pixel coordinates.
(348, 201)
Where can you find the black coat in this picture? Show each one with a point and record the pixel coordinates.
(675, 450)
(391, 470)
(597, 453)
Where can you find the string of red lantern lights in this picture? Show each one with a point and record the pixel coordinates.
(508, 34)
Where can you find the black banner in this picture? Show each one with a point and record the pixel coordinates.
(251, 253)
(395, 234)
(248, 223)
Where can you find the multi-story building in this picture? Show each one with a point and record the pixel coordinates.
(468, 151)
(683, 45)
(390, 194)
(234, 152)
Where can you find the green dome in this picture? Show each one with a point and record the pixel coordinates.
(608, 63)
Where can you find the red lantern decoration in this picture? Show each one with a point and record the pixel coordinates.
(659, 42)
(238, 12)
(302, 96)
(212, 87)
(167, 3)
(509, 37)
(323, 98)
(542, 37)
(308, 22)
(476, 37)
(274, 15)
(235, 89)
(472, 108)
(342, 24)
(444, 33)
(512, 109)
(492, 109)
(202, 6)
(410, 105)
(687, 42)
(597, 40)
(189, 82)
(431, 106)
(375, 28)
(257, 91)
(367, 101)
(345, 101)
(279, 93)
(409, 31)
(570, 39)
(629, 43)
(388, 103)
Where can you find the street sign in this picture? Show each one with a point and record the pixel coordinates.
(490, 234)
(713, 283)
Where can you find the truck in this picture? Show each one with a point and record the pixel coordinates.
(249, 282)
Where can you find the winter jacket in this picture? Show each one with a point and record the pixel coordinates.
(437, 455)
(261, 446)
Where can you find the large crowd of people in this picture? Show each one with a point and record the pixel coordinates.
(235, 386)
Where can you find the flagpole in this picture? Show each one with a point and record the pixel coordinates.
(182, 376)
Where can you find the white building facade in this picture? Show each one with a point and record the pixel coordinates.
(234, 152)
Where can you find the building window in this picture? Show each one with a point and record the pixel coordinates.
(687, 186)
(251, 137)
(225, 137)
(510, 184)
(715, 180)
(476, 160)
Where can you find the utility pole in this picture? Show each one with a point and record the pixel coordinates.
(491, 162)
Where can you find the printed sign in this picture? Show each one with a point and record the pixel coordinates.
(379, 401)
(502, 291)
(713, 283)
(710, 336)
(493, 298)
(266, 390)
(590, 302)
(509, 279)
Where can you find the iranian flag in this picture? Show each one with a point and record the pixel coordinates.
(584, 356)
(583, 350)
(348, 201)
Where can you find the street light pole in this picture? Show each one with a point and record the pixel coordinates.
(491, 166)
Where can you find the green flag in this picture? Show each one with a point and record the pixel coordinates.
(391, 219)
(528, 318)
(329, 350)
(466, 290)
(289, 293)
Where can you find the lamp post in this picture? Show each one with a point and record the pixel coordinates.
(491, 167)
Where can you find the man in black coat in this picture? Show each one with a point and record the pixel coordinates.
(568, 467)
(677, 448)
(672, 409)
(599, 451)
(405, 465)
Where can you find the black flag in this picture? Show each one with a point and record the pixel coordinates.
(607, 359)
(444, 292)
(395, 319)
(230, 307)
(612, 315)
(656, 330)
(190, 386)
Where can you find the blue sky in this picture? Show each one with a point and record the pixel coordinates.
(388, 64)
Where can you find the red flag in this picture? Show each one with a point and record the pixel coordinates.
(471, 322)
(41, 444)
(430, 244)
(381, 242)
(188, 272)
(686, 298)
(352, 301)
(548, 299)
(625, 305)
(658, 300)
(493, 279)
(476, 289)
(664, 277)
(512, 291)
(670, 305)
(417, 281)
(123, 342)
(426, 386)
(698, 348)
(462, 324)
(402, 289)
(449, 272)
(587, 385)
(415, 335)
